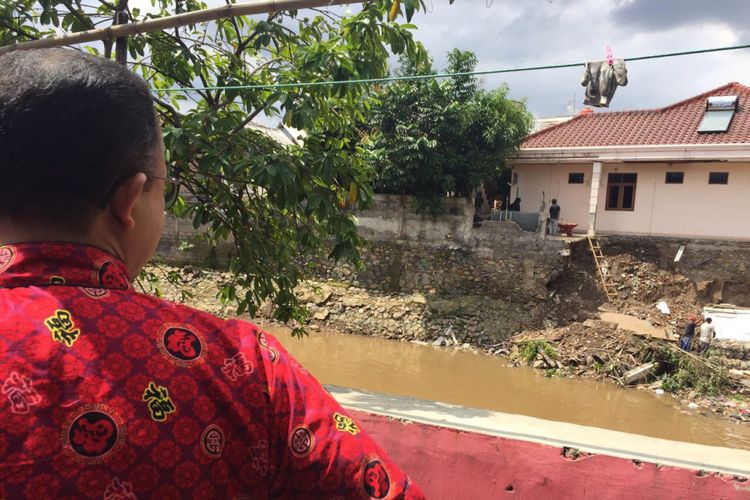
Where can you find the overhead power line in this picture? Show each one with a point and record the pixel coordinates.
(442, 75)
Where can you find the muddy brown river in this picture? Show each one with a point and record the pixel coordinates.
(478, 380)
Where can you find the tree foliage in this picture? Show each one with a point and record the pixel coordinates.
(280, 205)
(429, 138)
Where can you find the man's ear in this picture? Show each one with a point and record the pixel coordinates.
(124, 200)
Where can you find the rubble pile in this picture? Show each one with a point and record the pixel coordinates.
(602, 351)
(592, 349)
(641, 285)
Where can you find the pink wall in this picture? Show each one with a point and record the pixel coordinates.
(553, 181)
(451, 464)
(694, 209)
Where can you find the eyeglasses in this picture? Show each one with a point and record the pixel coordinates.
(171, 188)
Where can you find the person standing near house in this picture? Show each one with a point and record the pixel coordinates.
(110, 393)
(687, 337)
(554, 217)
(708, 332)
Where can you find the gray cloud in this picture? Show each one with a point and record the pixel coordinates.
(512, 34)
(670, 14)
(518, 33)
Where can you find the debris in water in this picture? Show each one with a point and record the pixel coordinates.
(440, 342)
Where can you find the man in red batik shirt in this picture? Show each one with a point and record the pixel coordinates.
(108, 393)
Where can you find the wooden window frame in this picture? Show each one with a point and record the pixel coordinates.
(621, 192)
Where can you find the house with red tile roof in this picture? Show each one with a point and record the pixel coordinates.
(678, 171)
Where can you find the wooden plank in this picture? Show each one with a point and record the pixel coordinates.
(638, 373)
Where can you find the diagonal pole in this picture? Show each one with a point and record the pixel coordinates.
(169, 22)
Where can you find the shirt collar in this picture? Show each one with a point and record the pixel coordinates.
(67, 264)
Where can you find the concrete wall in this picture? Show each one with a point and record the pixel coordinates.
(181, 243)
(451, 464)
(456, 452)
(694, 209)
(551, 181)
(410, 253)
(392, 217)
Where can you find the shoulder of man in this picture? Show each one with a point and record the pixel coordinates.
(230, 335)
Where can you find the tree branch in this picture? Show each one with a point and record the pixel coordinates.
(174, 116)
(78, 15)
(207, 95)
(20, 33)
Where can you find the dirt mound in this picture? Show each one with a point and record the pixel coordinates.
(594, 349)
(641, 285)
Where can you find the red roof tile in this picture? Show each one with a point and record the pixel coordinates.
(675, 124)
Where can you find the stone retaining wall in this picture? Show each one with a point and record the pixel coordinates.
(426, 277)
(736, 354)
(423, 276)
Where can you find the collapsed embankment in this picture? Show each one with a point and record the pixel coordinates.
(524, 291)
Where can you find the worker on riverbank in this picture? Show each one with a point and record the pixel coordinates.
(687, 336)
(554, 217)
(707, 334)
(110, 393)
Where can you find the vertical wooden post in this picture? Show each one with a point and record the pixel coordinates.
(121, 44)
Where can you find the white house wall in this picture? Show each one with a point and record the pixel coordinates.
(694, 209)
(552, 181)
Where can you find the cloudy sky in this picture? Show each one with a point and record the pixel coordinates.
(521, 33)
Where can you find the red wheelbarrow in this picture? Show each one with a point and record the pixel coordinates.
(566, 227)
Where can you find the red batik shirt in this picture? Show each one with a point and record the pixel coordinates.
(109, 393)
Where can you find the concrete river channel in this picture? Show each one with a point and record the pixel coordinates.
(478, 380)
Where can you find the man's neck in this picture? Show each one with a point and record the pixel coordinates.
(14, 233)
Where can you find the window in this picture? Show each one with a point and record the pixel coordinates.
(621, 191)
(575, 178)
(718, 178)
(718, 114)
(675, 178)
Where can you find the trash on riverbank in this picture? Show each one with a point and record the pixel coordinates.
(600, 350)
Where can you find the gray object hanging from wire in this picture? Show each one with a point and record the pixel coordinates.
(601, 79)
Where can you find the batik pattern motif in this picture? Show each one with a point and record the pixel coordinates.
(108, 393)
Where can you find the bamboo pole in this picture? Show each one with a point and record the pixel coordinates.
(164, 23)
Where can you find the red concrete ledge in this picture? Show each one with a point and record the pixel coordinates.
(451, 462)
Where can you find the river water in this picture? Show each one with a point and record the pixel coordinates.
(478, 380)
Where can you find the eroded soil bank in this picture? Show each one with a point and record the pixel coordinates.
(584, 347)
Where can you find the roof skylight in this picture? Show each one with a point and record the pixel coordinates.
(719, 113)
